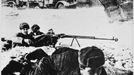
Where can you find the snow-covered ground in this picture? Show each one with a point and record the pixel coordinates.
(81, 21)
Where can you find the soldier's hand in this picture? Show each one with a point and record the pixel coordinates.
(61, 35)
(27, 41)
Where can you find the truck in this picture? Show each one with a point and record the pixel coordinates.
(56, 3)
(41, 3)
(14, 3)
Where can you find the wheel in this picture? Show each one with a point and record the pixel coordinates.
(61, 6)
(40, 4)
(11, 4)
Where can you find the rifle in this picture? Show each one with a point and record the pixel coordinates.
(85, 37)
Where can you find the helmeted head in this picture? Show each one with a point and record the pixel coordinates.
(24, 27)
(35, 28)
(50, 31)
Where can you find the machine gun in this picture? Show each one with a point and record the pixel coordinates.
(75, 37)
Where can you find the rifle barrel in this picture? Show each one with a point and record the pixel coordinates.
(88, 37)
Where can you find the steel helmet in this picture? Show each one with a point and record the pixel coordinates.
(35, 27)
(24, 25)
(50, 29)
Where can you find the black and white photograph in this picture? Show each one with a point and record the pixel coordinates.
(66, 37)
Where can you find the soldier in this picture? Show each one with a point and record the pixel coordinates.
(54, 38)
(41, 39)
(35, 30)
(23, 38)
(50, 32)
(37, 35)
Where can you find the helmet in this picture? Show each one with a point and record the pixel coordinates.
(35, 27)
(24, 25)
(50, 29)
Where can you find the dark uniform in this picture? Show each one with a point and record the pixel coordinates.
(21, 35)
(39, 37)
(37, 33)
(24, 36)
(54, 38)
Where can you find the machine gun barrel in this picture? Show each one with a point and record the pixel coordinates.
(89, 37)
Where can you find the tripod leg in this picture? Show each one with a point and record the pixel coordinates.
(77, 42)
(72, 42)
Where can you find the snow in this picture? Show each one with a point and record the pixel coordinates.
(81, 21)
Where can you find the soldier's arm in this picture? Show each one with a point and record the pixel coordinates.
(17, 39)
(38, 36)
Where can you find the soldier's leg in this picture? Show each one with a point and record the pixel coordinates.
(45, 67)
(12, 67)
(103, 72)
(37, 54)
